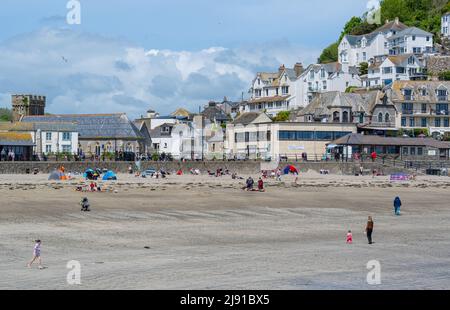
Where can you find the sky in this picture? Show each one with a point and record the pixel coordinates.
(132, 55)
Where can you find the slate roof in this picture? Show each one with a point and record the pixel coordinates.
(16, 139)
(214, 113)
(43, 126)
(94, 126)
(359, 139)
(247, 118)
(409, 32)
(396, 90)
(393, 25)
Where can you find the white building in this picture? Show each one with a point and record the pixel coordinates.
(274, 92)
(385, 70)
(355, 49)
(174, 139)
(319, 78)
(445, 25)
(411, 40)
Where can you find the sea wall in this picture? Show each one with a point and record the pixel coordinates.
(248, 167)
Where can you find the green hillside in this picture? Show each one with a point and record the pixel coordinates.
(425, 14)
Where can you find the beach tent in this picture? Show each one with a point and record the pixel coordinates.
(88, 174)
(290, 169)
(109, 176)
(56, 175)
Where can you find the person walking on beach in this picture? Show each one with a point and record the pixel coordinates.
(349, 237)
(36, 255)
(397, 205)
(369, 229)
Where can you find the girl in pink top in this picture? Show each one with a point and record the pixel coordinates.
(36, 254)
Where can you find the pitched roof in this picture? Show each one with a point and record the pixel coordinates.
(16, 139)
(94, 126)
(359, 139)
(396, 88)
(321, 104)
(181, 112)
(390, 26)
(43, 126)
(269, 99)
(214, 113)
(409, 32)
(247, 118)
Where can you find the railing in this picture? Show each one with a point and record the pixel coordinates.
(425, 112)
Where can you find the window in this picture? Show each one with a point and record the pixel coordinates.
(387, 118)
(405, 150)
(428, 39)
(324, 85)
(48, 149)
(412, 122)
(48, 136)
(403, 122)
(165, 145)
(285, 90)
(412, 151)
(345, 118)
(442, 95)
(407, 108)
(420, 151)
(437, 122)
(380, 117)
(411, 61)
(67, 148)
(258, 92)
(423, 122)
(267, 92)
(259, 82)
(446, 122)
(414, 38)
(407, 93)
(361, 118)
(400, 70)
(285, 135)
(424, 108)
(276, 91)
(67, 136)
(442, 109)
(387, 70)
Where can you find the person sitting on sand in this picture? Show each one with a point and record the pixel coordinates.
(349, 237)
(36, 254)
(85, 204)
(249, 184)
(261, 185)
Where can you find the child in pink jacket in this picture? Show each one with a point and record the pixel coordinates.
(349, 237)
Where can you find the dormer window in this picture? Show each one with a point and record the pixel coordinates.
(442, 94)
(407, 93)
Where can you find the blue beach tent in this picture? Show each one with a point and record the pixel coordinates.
(109, 176)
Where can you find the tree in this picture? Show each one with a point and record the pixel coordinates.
(444, 76)
(282, 116)
(5, 115)
(363, 68)
(349, 26)
(329, 54)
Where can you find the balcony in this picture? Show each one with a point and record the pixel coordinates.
(420, 112)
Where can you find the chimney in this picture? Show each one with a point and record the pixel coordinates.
(298, 68)
(281, 69)
(397, 21)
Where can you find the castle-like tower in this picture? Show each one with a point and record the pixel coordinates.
(26, 105)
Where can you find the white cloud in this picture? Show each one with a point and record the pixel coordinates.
(85, 73)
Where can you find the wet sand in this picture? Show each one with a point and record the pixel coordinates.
(201, 232)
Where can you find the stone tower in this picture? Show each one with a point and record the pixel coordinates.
(27, 105)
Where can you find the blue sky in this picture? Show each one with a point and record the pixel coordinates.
(131, 55)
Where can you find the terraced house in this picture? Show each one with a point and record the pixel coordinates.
(421, 104)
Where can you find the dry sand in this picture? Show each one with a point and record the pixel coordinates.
(205, 233)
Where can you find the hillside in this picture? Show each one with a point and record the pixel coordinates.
(425, 14)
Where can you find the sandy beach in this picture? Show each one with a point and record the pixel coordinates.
(202, 232)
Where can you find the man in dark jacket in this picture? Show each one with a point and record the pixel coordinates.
(397, 205)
